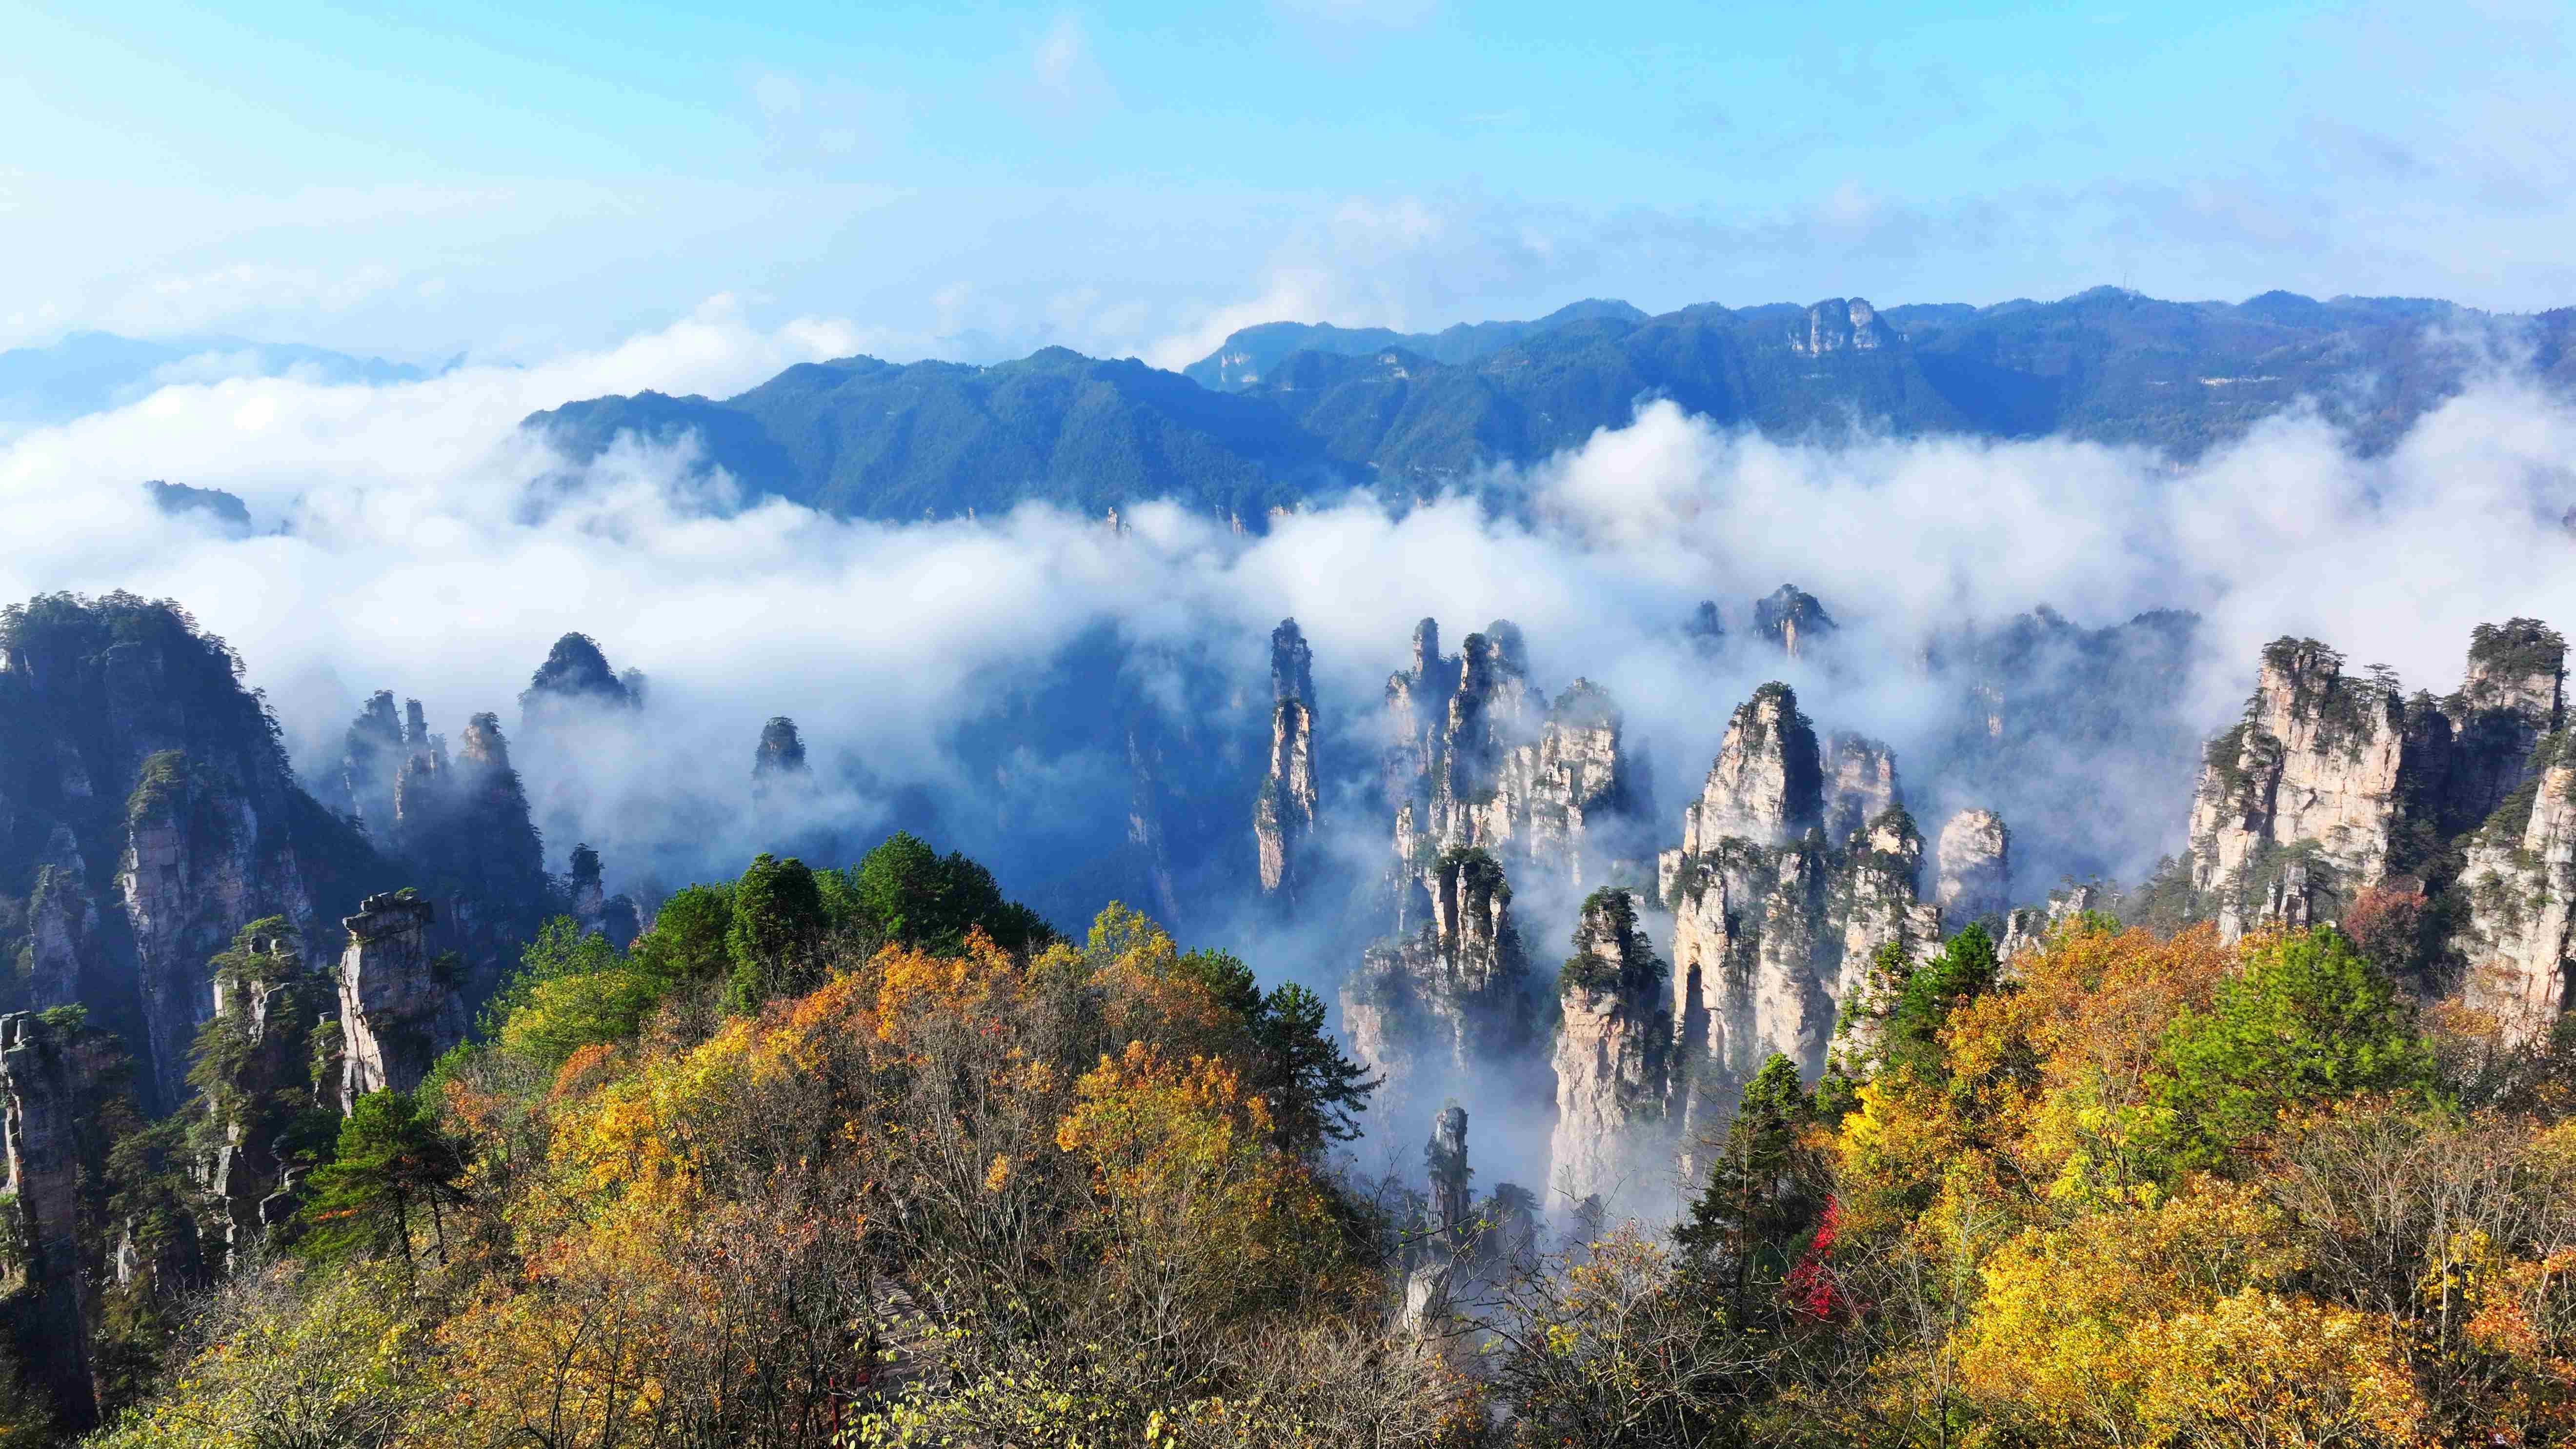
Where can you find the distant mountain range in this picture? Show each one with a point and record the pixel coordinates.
(89, 372)
(1287, 412)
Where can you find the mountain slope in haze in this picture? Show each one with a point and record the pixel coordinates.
(871, 439)
(90, 372)
(1249, 355)
(1413, 414)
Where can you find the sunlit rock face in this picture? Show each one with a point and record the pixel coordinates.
(1612, 1057)
(400, 1006)
(1776, 923)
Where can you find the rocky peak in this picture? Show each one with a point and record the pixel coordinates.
(1792, 619)
(1283, 817)
(781, 752)
(1430, 1007)
(1767, 782)
(1859, 783)
(1452, 1207)
(1976, 866)
(400, 1007)
(371, 761)
(1292, 661)
(2512, 694)
(1705, 630)
(1840, 324)
(259, 1048)
(576, 677)
(2315, 781)
(1612, 1052)
(1553, 796)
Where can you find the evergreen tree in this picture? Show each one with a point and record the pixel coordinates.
(393, 1165)
(1759, 1199)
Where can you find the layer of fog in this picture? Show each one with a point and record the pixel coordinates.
(408, 537)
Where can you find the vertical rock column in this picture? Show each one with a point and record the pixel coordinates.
(1284, 817)
(52, 1074)
(396, 1013)
(1611, 1059)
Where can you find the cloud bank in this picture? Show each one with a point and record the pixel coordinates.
(408, 537)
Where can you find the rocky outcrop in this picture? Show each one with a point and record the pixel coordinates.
(2304, 796)
(1283, 820)
(1430, 1009)
(1767, 783)
(1976, 867)
(1859, 784)
(400, 1006)
(57, 1078)
(151, 815)
(781, 754)
(1792, 620)
(1705, 632)
(1470, 762)
(462, 834)
(2519, 883)
(576, 679)
(1552, 797)
(1775, 924)
(2334, 784)
(1611, 1059)
(2513, 694)
(257, 1128)
(1839, 324)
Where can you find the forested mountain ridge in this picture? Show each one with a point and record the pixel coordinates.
(1291, 412)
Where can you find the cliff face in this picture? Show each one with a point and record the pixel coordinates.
(1976, 866)
(400, 1006)
(1775, 924)
(1284, 816)
(2333, 785)
(459, 829)
(1611, 1059)
(1430, 1007)
(257, 1090)
(2520, 886)
(59, 1084)
(1792, 620)
(2315, 767)
(1470, 761)
(149, 815)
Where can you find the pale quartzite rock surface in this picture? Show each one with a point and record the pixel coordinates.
(2520, 940)
(399, 1009)
(1612, 1051)
(1284, 815)
(1975, 862)
(1436, 1005)
(1776, 926)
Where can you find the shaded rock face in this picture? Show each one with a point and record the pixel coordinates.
(266, 1003)
(149, 815)
(1859, 784)
(1284, 815)
(1775, 924)
(461, 831)
(781, 753)
(1432, 1006)
(1767, 783)
(1976, 866)
(1612, 1059)
(2333, 784)
(2513, 694)
(1705, 630)
(57, 1080)
(399, 1006)
(2520, 885)
(1792, 620)
(1452, 1205)
(575, 677)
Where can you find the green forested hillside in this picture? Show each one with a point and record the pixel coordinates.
(1302, 411)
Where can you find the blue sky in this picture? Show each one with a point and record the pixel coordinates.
(977, 180)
